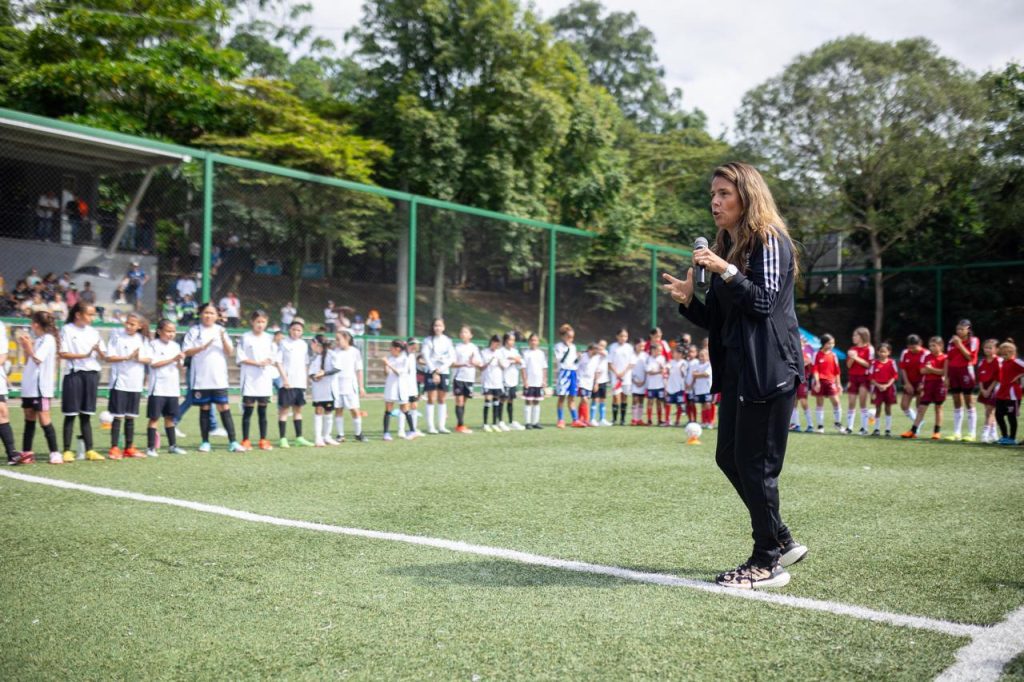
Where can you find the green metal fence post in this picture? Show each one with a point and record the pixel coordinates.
(552, 250)
(938, 301)
(207, 224)
(654, 288)
(411, 312)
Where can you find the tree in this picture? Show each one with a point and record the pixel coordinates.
(876, 132)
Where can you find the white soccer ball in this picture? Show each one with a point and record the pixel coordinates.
(693, 430)
(106, 417)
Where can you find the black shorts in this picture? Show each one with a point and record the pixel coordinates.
(602, 391)
(676, 398)
(162, 406)
(210, 396)
(291, 397)
(584, 392)
(261, 400)
(533, 392)
(37, 404)
(327, 405)
(494, 393)
(413, 399)
(78, 393)
(703, 398)
(3, 398)
(462, 388)
(441, 385)
(124, 403)
(511, 392)
(656, 394)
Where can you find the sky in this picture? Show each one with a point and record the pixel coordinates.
(715, 51)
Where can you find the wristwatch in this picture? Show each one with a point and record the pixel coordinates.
(730, 272)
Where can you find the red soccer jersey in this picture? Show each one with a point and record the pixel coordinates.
(911, 363)
(935, 362)
(1009, 379)
(957, 359)
(988, 371)
(882, 372)
(826, 366)
(808, 367)
(864, 353)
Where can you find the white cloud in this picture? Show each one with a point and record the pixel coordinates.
(717, 51)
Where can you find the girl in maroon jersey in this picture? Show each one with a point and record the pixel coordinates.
(988, 378)
(962, 356)
(858, 361)
(933, 390)
(883, 386)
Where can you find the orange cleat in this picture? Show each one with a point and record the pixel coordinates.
(578, 424)
(115, 453)
(264, 444)
(909, 434)
(246, 445)
(463, 429)
(936, 436)
(132, 452)
(560, 424)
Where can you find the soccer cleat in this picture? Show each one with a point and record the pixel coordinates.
(235, 446)
(387, 437)
(25, 458)
(605, 422)
(955, 437)
(516, 426)
(433, 432)
(840, 428)
(488, 428)
(504, 427)
(748, 576)
(908, 434)
(1002, 441)
(220, 432)
(283, 443)
(969, 438)
(888, 433)
(864, 432)
(204, 447)
(936, 436)
(411, 436)
(152, 453)
(94, 456)
(810, 429)
(132, 452)
(69, 457)
(443, 430)
(319, 443)
(538, 427)
(115, 453)
(821, 429)
(578, 424)
(876, 432)
(795, 428)
(246, 445)
(560, 424)
(177, 450)
(463, 429)
(792, 553)
(179, 433)
(56, 458)
(302, 442)
(362, 438)
(264, 444)
(330, 441)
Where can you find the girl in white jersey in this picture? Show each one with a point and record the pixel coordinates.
(438, 355)
(321, 385)
(128, 354)
(257, 358)
(81, 348)
(535, 379)
(165, 363)
(347, 362)
(394, 396)
(512, 363)
(467, 360)
(566, 360)
(638, 381)
(208, 345)
(621, 358)
(6, 433)
(601, 377)
(410, 386)
(492, 379)
(691, 362)
(587, 384)
(675, 384)
(293, 361)
(38, 383)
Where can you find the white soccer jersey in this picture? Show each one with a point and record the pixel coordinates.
(322, 390)
(621, 357)
(587, 371)
(37, 378)
(408, 383)
(465, 355)
(601, 373)
(566, 356)
(438, 353)
(293, 354)
(209, 366)
(638, 379)
(676, 376)
(164, 381)
(4, 350)
(256, 382)
(347, 362)
(393, 392)
(128, 375)
(535, 362)
(702, 385)
(75, 339)
(655, 366)
(492, 376)
(690, 364)
(511, 373)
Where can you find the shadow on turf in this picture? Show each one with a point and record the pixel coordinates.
(510, 574)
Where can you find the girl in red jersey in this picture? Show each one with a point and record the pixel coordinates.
(911, 360)
(801, 397)
(933, 389)
(825, 382)
(858, 361)
(988, 377)
(962, 354)
(1008, 392)
(883, 386)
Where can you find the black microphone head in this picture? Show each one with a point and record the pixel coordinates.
(700, 243)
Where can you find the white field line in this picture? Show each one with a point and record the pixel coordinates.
(862, 613)
(988, 653)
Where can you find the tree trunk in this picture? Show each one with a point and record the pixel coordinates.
(329, 257)
(439, 286)
(876, 263)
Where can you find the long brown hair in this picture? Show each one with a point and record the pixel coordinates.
(760, 218)
(48, 324)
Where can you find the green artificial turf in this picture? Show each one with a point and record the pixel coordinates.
(101, 588)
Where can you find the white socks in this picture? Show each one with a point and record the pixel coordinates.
(318, 426)
(807, 413)
(357, 424)
(911, 414)
(888, 422)
(794, 419)
(821, 416)
(328, 426)
(430, 417)
(864, 417)
(837, 415)
(958, 420)
(972, 422)
(442, 414)
(339, 422)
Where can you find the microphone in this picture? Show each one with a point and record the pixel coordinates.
(700, 273)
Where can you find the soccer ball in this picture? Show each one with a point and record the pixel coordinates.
(106, 417)
(693, 431)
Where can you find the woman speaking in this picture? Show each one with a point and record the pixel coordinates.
(755, 357)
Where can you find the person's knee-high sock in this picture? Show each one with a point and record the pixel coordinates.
(650, 404)
(487, 409)
(837, 415)
(849, 418)
(229, 424)
(357, 424)
(129, 431)
(415, 419)
(151, 438)
(297, 424)
(261, 411)
(339, 422)
(69, 431)
(115, 432)
(807, 415)
(318, 426)
(972, 421)
(51, 437)
(495, 411)
(7, 437)
(28, 435)
(171, 436)
(508, 407)
(430, 416)
(794, 419)
(820, 413)
(204, 426)
(85, 428)
(282, 427)
(865, 416)
(958, 420)
(410, 422)
(460, 414)
(387, 421)
(888, 422)
(328, 426)
(442, 415)
(247, 411)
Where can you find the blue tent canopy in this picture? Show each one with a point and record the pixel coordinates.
(812, 341)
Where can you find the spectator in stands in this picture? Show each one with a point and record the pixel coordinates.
(87, 295)
(189, 310)
(231, 310)
(34, 304)
(46, 209)
(170, 310)
(195, 255)
(373, 322)
(71, 296)
(358, 328)
(186, 286)
(77, 212)
(20, 293)
(344, 324)
(330, 318)
(33, 278)
(288, 313)
(50, 286)
(136, 281)
(58, 306)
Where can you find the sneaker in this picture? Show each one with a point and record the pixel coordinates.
(888, 433)
(132, 452)
(177, 450)
(504, 427)
(516, 426)
(152, 453)
(936, 436)
(204, 447)
(235, 446)
(876, 432)
(56, 458)
(538, 427)
(846, 431)
(1001, 441)
(748, 576)
(578, 424)
(795, 428)
(319, 443)
(179, 433)
(864, 432)
(821, 429)
(115, 453)
(970, 438)
(463, 429)
(908, 434)
(443, 430)
(25, 458)
(363, 439)
(955, 437)
(840, 428)
(283, 443)
(433, 432)
(69, 457)
(604, 422)
(387, 437)
(810, 429)
(264, 444)
(792, 553)
(94, 456)
(560, 424)
(246, 445)
(330, 441)
(413, 435)
(220, 432)
(302, 442)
